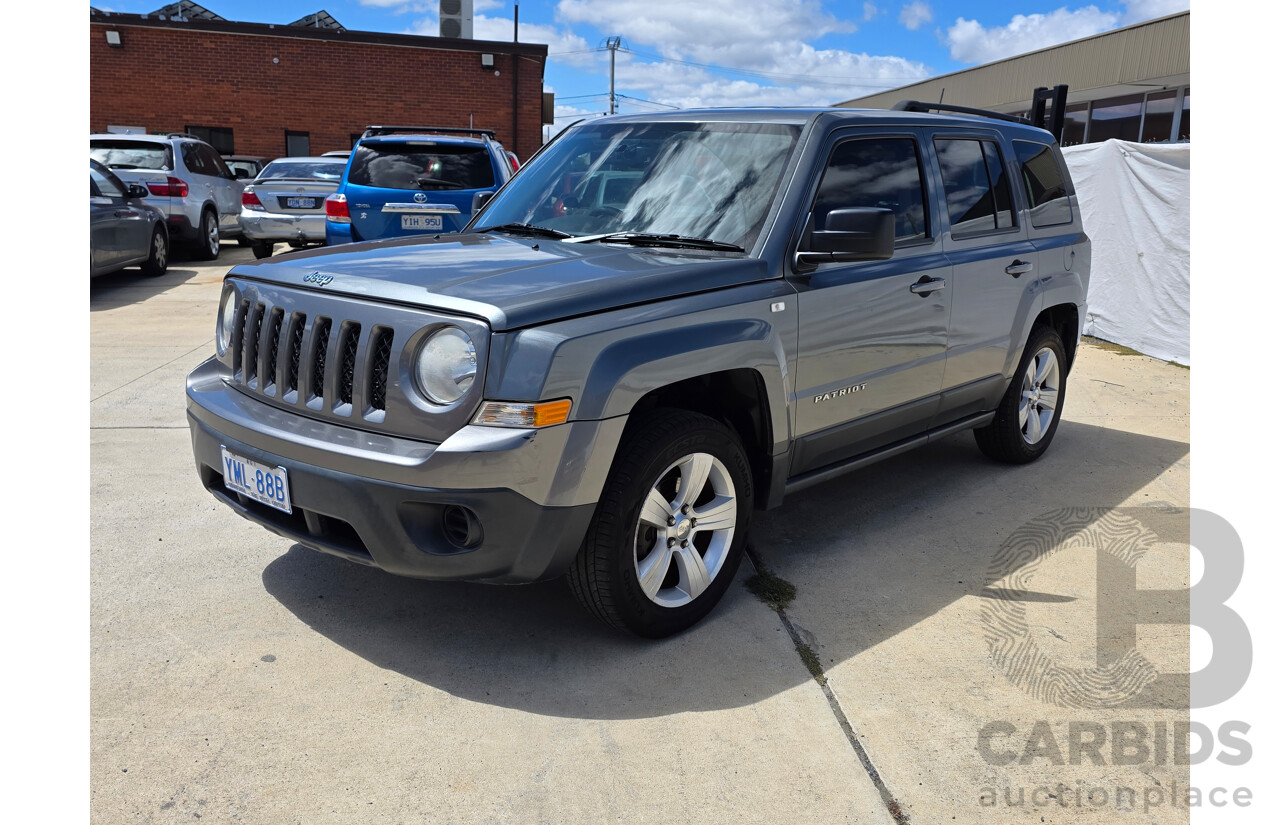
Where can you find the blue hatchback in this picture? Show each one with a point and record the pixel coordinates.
(405, 180)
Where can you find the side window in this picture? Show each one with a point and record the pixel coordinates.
(214, 161)
(103, 185)
(977, 189)
(1046, 189)
(876, 172)
(193, 160)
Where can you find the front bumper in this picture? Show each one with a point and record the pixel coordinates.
(275, 226)
(381, 501)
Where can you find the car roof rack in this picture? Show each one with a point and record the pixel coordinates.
(920, 106)
(374, 131)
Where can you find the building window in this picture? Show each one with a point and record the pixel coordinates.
(1116, 117)
(221, 138)
(1157, 121)
(1075, 120)
(297, 144)
(355, 138)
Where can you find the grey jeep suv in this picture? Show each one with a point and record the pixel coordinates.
(185, 179)
(606, 385)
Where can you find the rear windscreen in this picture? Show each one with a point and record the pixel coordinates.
(421, 166)
(322, 170)
(132, 154)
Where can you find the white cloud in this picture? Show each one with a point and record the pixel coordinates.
(869, 11)
(915, 15)
(1136, 11)
(704, 28)
(971, 42)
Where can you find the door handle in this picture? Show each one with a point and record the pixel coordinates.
(926, 285)
(1018, 268)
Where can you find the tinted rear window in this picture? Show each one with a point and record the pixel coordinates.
(1042, 179)
(319, 170)
(131, 154)
(423, 166)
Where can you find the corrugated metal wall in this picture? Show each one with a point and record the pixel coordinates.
(1158, 48)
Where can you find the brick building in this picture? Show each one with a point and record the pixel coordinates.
(276, 90)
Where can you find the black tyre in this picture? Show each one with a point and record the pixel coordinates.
(262, 250)
(668, 534)
(210, 241)
(1028, 415)
(158, 259)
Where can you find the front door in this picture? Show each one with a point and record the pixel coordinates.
(873, 335)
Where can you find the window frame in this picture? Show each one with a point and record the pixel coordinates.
(208, 137)
(1016, 200)
(844, 137)
(294, 133)
(1063, 175)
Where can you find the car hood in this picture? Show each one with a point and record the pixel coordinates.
(508, 282)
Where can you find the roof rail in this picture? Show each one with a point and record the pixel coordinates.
(185, 135)
(919, 106)
(374, 131)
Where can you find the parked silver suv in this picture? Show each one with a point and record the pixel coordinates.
(186, 179)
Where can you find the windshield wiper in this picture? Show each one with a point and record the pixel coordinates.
(654, 239)
(447, 184)
(527, 229)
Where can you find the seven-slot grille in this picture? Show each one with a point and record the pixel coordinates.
(277, 354)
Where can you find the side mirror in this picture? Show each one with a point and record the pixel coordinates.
(135, 190)
(479, 200)
(241, 174)
(855, 234)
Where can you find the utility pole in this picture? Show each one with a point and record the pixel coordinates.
(612, 44)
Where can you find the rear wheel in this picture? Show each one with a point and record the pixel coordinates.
(261, 249)
(210, 241)
(667, 536)
(1028, 415)
(158, 257)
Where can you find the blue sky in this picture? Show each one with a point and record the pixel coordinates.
(686, 53)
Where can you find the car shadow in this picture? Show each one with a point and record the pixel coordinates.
(130, 286)
(921, 539)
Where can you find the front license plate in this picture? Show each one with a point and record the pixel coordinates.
(300, 203)
(269, 485)
(427, 222)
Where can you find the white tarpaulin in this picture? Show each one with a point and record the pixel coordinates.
(1135, 200)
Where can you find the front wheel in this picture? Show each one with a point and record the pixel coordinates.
(667, 536)
(1028, 415)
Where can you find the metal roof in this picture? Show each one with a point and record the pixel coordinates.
(1145, 55)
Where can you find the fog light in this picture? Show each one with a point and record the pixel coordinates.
(461, 527)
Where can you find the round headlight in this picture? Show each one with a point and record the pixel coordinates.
(226, 321)
(446, 365)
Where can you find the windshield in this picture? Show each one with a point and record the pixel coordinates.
(700, 180)
(423, 165)
(132, 154)
(320, 169)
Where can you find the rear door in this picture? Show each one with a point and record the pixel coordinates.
(226, 188)
(993, 268)
(396, 188)
(873, 335)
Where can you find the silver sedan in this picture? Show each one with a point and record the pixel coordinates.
(285, 203)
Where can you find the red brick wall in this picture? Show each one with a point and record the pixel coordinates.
(167, 79)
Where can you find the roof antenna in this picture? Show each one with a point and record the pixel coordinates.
(944, 92)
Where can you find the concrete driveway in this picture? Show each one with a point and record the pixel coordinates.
(928, 669)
